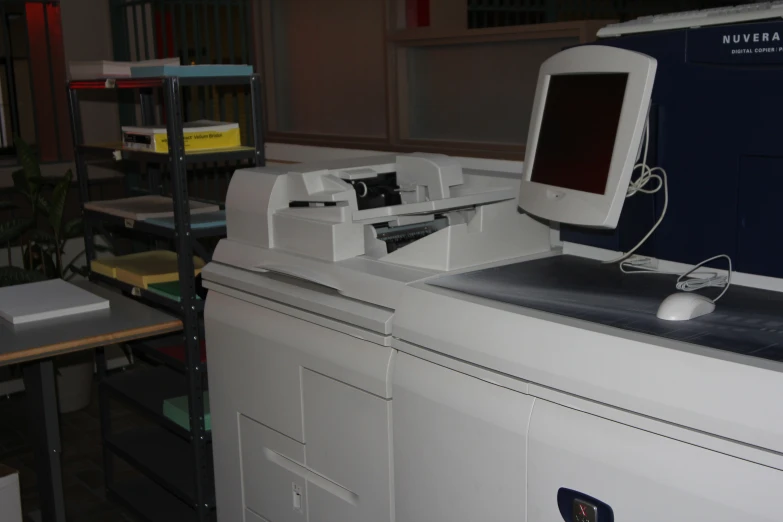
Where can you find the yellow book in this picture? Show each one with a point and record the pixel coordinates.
(144, 268)
(199, 135)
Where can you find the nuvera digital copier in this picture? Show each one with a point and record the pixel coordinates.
(389, 339)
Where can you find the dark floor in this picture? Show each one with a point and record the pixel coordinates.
(82, 458)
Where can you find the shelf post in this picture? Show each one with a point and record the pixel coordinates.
(105, 414)
(258, 120)
(183, 239)
(81, 172)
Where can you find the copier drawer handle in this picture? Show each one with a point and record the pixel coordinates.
(301, 273)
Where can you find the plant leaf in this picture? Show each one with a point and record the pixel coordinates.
(57, 206)
(14, 275)
(43, 205)
(20, 182)
(13, 228)
(43, 238)
(29, 162)
(73, 228)
(42, 260)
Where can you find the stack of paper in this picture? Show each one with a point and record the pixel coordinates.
(144, 268)
(140, 208)
(197, 221)
(190, 71)
(46, 300)
(109, 69)
(170, 290)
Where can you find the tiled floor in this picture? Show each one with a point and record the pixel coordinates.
(82, 459)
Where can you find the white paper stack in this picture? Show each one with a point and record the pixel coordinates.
(32, 302)
(140, 208)
(109, 69)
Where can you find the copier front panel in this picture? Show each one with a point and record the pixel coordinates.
(460, 446)
(301, 416)
(641, 476)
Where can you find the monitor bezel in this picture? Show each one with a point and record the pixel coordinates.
(576, 207)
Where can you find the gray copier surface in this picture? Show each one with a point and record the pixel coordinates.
(747, 320)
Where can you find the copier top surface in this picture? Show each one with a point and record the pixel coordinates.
(747, 320)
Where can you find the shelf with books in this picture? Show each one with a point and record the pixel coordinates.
(117, 152)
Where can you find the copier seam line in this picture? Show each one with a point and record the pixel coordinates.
(616, 408)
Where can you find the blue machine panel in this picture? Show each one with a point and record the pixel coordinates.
(717, 128)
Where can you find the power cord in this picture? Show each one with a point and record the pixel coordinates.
(640, 185)
(695, 280)
(691, 280)
(697, 283)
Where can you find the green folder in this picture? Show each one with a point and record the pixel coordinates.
(169, 290)
(176, 410)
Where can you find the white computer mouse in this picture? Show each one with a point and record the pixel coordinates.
(685, 305)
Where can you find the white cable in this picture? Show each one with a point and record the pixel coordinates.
(696, 280)
(639, 185)
(697, 283)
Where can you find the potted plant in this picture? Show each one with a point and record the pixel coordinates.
(42, 236)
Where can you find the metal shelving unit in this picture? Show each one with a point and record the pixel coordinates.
(175, 463)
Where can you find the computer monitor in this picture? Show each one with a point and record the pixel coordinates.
(586, 128)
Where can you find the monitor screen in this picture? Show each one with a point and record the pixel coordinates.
(578, 130)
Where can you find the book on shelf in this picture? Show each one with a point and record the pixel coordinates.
(144, 268)
(47, 300)
(199, 135)
(92, 70)
(141, 208)
(190, 71)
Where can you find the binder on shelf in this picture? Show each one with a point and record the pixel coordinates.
(190, 71)
(144, 268)
(47, 300)
(141, 208)
(199, 135)
(176, 409)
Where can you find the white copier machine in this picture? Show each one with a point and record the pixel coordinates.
(390, 339)
(302, 295)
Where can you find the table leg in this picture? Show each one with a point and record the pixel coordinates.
(44, 415)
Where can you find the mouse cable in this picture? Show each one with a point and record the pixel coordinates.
(690, 280)
(697, 283)
(696, 280)
(640, 185)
